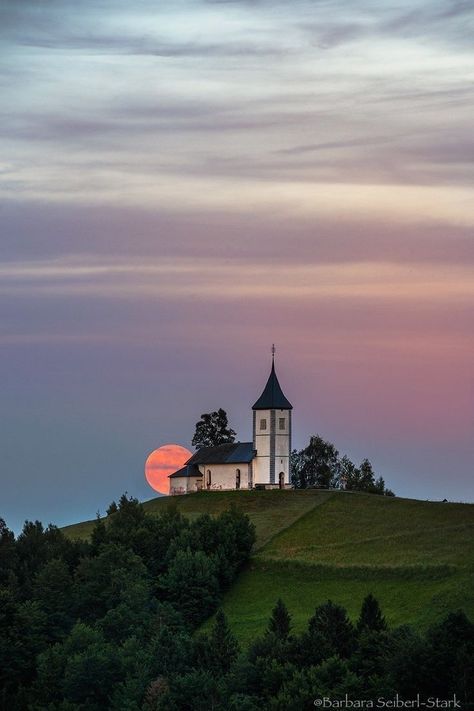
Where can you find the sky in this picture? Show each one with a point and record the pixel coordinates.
(183, 184)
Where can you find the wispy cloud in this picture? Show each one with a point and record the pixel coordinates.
(217, 278)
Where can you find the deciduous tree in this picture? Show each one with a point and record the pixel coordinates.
(213, 429)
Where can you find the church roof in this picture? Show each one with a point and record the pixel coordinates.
(272, 397)
(187, 470)
(232, 453)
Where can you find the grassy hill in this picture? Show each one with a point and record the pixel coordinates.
(416, 557)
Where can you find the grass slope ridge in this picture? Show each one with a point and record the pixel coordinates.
(269, 511)
(416, 557)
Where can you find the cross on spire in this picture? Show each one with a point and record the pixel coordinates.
(273, 352)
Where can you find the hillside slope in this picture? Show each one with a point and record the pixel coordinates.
(416, 557)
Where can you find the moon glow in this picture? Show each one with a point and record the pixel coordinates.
(162, 462)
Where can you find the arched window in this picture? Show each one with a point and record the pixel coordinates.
(237, 478)
(209, 479)
(282, 480)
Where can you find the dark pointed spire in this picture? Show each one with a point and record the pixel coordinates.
(272, 397)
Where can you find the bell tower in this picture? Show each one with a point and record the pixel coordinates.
(272, 434)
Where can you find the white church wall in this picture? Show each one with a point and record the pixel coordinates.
(261, 463)
(261, 470)
(224, 476)
(184, 485)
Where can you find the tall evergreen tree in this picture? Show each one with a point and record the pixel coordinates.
(280, 621)
(367, 479)
(7, 552)
(53, 591)
(222, 645)
(371, 617)
(99, 534)
(332, 629)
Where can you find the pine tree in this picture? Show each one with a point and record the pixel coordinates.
(113, 508)
(371, 617)
(332, 630)
(223, 646)
(280, 621)
(99, 533)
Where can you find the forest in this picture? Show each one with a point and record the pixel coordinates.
(115, 622)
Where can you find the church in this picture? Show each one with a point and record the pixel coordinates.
(263, 463)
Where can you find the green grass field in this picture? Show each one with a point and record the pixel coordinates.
(416, 557)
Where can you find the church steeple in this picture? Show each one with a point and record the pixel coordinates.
(272, 397)
(272, 434)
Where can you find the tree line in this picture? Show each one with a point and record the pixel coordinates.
(331, 658)
(319, 464)
(89, 625)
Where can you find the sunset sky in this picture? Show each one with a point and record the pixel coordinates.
(184, 183)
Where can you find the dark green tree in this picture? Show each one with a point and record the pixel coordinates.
(280, 621)
(335, 679)
(331, 630)
(369, 660)
(129, 516)
(371, 617)
(112, 508)
(450, 653)
(36, 545)
(267, 647)
(8, 556)
(221, 647)
(213, 429)
(154, 538)
(10, 669)
(53, 591)
(361, 478)
(191, 585)
(316, 465)
(116, 575)
(296, 469)
(91, 675)
(406, 661)
(198, 690)
(236, 538)
(227, 538)
(348, 474)
(99, 534)
(172, 652)
(367, 479)
(23, 635)
(48, 685)
(243, 702)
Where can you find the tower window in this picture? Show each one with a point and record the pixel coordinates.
(263, 424)
(281, 424)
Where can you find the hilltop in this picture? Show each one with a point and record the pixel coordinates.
(416, 557)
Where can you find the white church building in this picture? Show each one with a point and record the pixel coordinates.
(262, 463)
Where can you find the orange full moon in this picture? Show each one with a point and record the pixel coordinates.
(162, 462)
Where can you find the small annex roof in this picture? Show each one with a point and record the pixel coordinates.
(187, 471)
(232, 453)
(272, 397)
